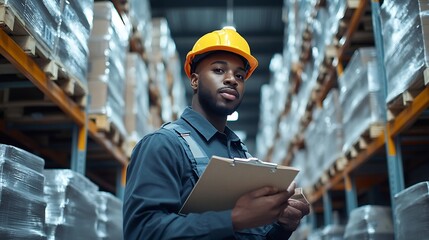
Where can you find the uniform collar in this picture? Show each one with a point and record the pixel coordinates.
(204, 127)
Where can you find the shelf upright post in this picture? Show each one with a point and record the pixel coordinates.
(351, 196)
(327, 208)
(79, 142)
(120, 181)
(393, 146)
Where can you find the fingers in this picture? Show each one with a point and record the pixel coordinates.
(264, 191)
(304, 208)
(290, 218)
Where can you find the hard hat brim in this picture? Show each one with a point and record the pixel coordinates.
(253, 63)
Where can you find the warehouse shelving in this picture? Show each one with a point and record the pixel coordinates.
(82, 130)
(342, 177)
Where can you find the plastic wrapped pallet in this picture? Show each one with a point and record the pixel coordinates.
(160, 40)
(405, 24)
(336, 11)
(321, 36)
(333, 128)
(412, 212)
(335, 230)
(71, 211)
(76, 24)
(108, 46)
(313, 136)
(361, 96)
(266, 129)
(110, 216)
(17, 6)
(298, 12)
(370, 222)
(22, 207)
(178, 90)
(140, 17)
(43, 19)
(136, 98)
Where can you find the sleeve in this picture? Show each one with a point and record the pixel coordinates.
(153, 198)
(278, 232)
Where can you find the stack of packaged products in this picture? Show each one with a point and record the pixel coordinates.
(361, 96)
(412, 212)
(22, 207)
(71, 211)
(370, 222)
(108, 47)
(109, 210)
(404, 24)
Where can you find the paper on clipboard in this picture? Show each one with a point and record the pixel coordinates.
(225, 180)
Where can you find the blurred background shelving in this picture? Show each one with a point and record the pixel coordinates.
(340, 92)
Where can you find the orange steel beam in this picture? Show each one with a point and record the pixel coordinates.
(372, 148)
(117, 153)
(346, 40)
(410, 113)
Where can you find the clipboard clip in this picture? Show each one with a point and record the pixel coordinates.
(255, 161)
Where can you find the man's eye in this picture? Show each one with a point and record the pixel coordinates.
(239, 76)
(218, 70)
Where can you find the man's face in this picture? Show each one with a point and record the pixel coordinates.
(220, 83)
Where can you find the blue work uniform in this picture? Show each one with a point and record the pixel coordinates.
(160, 177)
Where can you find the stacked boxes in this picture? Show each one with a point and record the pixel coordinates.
(73, 37)
(61, 29)
(140, 18)
(167, 91)
(404, 22)
(42, 19)
(274, 97)
(22, 207)
(333, 128)
(412, 212)
(71, 211)
(370, 222)
(108, 47)
(361, 96)
(109, 216)
(18, 6)
(136, 100)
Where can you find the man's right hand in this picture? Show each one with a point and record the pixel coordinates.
(260, 207)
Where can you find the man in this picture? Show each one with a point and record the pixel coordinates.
(164, 169)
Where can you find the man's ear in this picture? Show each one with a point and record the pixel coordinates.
(194, 81)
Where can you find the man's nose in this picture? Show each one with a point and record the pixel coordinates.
(230, 79)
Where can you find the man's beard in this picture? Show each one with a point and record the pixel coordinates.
(209, 103)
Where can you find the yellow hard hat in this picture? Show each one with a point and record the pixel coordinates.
(226, 39)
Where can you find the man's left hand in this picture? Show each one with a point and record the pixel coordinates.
(293, 214)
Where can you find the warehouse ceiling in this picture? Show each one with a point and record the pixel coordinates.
(260, 22)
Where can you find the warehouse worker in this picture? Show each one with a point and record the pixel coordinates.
(164, 166)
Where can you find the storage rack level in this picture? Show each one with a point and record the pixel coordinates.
(75, 119)
(410, 121)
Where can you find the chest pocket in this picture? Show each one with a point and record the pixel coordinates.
(195, 154)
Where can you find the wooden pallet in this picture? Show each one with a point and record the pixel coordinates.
(16, 28)
(403, 100)
(107, 127)
(366, 138)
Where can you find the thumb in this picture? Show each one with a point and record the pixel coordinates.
(264, 191)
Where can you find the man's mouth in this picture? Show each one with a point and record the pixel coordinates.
(229, 93)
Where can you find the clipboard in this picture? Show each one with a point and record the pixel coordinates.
(225, 180)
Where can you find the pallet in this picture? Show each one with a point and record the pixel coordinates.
(403, 100)
(366, 138)
(108, 128)
(16, 28)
